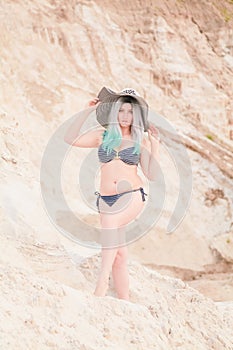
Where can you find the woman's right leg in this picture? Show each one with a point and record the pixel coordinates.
(120, 273)
(108, 257)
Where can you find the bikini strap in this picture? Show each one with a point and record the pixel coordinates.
(143, 194)
(97, 200)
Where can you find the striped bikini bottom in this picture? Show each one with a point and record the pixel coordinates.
(110, 200)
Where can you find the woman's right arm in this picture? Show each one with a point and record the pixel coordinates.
(73, 131)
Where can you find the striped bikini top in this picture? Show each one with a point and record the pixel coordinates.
(126, 155)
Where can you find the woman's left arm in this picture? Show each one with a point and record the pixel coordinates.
(154, 138)
(149, 157)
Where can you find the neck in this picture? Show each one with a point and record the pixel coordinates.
(125, 132)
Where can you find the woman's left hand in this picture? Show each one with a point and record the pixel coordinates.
(153, 133)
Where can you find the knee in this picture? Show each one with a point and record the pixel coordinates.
(120, 260)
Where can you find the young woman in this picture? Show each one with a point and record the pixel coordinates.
(122, 146)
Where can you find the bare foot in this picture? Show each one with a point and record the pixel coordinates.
(125, 297)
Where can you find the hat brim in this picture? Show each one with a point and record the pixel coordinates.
(107, 97)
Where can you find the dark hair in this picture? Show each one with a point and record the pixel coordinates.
(128, 99)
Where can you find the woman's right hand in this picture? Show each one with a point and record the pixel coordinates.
(93, 103)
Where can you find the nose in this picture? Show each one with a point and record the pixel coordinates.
(126, 113)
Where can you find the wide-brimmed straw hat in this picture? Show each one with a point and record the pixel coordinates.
(107, 97)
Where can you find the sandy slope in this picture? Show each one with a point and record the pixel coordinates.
(55, 55)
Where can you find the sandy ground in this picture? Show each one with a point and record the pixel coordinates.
(55, 56)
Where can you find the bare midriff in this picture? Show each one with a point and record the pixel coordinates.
(117, 176)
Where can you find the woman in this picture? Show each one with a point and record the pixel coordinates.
(121, 147)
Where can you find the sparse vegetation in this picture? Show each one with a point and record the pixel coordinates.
(210, 137)
(228, 240)
(226, 14)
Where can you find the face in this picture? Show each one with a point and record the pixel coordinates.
(125, 115)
